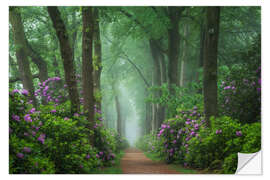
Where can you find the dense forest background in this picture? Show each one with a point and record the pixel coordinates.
(134, 71)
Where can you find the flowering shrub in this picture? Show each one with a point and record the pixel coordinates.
(186, 140)
(51, 140)
(240, 87)
(47, 91)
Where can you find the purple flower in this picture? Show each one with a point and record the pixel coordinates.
(192, 133)
(227, 87)
(57, 78)
(174, 141)
(239, 133)
(163, 126)
(20, 155)
(27, 118)
(187, 122)
(25, 92)
(25, 134)
(218, 131)
(76, 114)
(112, 155)
(101, 153)
(97, 155)
(16, 118)
(260, 81)
(34, 133)
(66, 118)
(41, 138)
(46, 88)
(53, 111)
(171, 131)
(32, 110)
(27, 149)
(87, 156)
(15, 91)
(176, 116)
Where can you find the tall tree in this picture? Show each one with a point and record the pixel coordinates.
(184, 53)
(157, 75)
(87, 67)
(21, 55)
(66, 53)
(210, 63)
(174, 14)
(97, 57)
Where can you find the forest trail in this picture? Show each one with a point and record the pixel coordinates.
(135, 162)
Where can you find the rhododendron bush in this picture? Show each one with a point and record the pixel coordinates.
(185, 139)
(51, 140)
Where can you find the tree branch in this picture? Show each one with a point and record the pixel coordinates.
(131, 62)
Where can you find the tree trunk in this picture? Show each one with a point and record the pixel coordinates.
(200, 60)
(184, 56)
(66, 53)
(118, 110)
(210, 63)
(159, 110)
(39, 61)
(74, 36)
(163, 68)
(29, 52)
(56, 67)
(97, 57)
(23, 63)
(87, 71)
(173, 47)
(148, 117)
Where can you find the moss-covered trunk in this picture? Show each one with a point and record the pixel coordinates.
(87, 67)
(97, 59)
(66, 54)
(21, 54)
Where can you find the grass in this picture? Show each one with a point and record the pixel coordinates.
(153, 156)
(113, 169)
(183, 170)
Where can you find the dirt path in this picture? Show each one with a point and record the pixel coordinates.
(135, 162)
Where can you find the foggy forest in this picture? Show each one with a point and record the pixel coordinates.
(126, 90)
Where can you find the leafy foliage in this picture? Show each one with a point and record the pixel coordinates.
(240, 87)
(186, 140)
(52, 141)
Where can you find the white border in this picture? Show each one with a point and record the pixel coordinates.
(4, 77)
(135, 2)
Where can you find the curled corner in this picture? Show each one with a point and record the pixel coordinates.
(249, 163)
